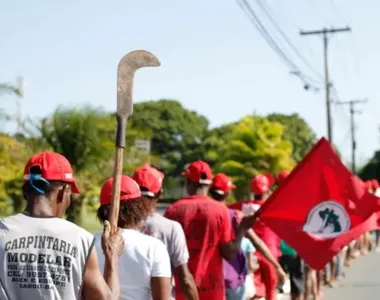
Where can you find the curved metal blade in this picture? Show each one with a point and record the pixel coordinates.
(127, 67)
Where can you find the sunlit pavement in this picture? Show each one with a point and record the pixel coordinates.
(362, 280)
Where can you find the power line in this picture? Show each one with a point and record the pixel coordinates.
(332, 4)
(324, 32)
(264, 7)
(321, 16)
(246, 7)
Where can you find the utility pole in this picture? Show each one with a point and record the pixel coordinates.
(352, 104)
(324, 32)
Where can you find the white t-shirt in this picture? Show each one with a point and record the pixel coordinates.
(144, 257)
(42, 258)
(172, 235)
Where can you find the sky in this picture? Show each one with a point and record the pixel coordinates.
(214, 61)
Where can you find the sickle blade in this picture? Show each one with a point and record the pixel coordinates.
(128, 65)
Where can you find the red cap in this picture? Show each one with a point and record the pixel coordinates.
(368, 184)
(149, 178)
(282, 176)
(375, 184)
(261, 184)
(199, 171)
(54, 167)
(222, 184)
(129, 190)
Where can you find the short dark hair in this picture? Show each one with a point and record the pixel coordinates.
(217, 196)
(48, 188)
(131, 213)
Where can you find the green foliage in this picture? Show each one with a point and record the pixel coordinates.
(178, 136)
(14, 192)
(86, 138)
(214, 141)
(296, 131)
(254, 146)
(83, 136)
(13, 156)
(372, 169)
(177, 132)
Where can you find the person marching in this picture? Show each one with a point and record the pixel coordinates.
(169, 232)
(266, 279)
(144, 264)
(220, 190)
(291, 261)
(208, 230)
(46, 257)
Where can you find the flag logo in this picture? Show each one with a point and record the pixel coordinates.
(328, 219)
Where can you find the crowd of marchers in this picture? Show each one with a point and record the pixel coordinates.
(199, 249)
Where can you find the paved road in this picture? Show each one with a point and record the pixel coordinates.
(362, 281)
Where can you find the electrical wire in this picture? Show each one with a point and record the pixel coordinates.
(332, 4)
(267, 12)
(248, 10)
(315, 9)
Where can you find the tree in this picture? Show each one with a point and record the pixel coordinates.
(372, 169)
(298, 132)
(214, 141)
(13, 156)
(177, 133)
(255, 145)
(85, 136)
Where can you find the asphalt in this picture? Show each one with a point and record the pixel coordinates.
(362, 280)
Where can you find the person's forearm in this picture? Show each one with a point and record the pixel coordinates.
(235, 245)
(189, 288)
(111, 276)
(262, 247)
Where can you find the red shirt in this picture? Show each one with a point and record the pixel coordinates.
(263, 231)
(206, 224)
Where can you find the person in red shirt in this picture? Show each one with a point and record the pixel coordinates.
(266, 279)
(220, 190)
(208, 230)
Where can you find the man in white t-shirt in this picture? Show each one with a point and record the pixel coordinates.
(145, 271)
(169, 232)
(43, 256)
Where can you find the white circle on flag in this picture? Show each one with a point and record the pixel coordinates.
(327, 219)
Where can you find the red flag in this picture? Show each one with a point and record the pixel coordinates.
(321, 208)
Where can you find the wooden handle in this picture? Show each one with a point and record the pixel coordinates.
(115, 199)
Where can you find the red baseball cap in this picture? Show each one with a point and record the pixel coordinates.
(222, 184)
(261, 184)
(129, 190)
(368, 184)
(282, 176)
(375, 184)
(199, 171)
(149, 178)
(54, 167)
